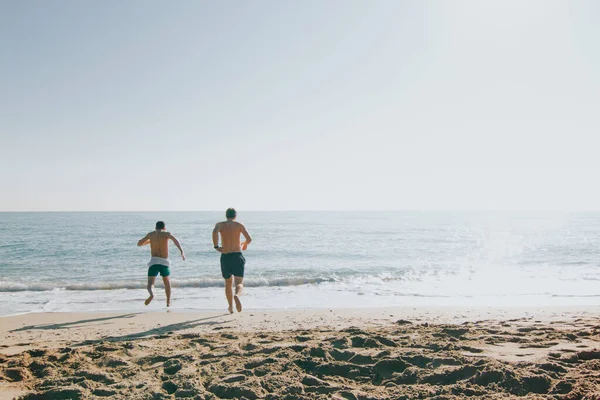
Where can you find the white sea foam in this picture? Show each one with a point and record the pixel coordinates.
(181, 283)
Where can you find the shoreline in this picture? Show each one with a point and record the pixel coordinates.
(413, 309)
(191, 301)
(353, 353)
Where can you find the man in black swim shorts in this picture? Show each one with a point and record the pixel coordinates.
(232, 260)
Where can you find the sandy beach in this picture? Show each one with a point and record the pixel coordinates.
(395, 353)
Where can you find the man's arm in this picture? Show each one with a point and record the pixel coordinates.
(247, 236)
(144, 241)
(215, 236)
(176, 242)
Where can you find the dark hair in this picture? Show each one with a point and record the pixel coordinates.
(160, 225)
(231, 213)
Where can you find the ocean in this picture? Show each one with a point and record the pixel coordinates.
(89, 261)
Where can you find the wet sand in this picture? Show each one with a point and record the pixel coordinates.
(393, 353)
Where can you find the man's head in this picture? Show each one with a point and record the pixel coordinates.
(160, 225)
(231, 213)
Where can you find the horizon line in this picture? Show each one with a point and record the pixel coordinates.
(317, 210)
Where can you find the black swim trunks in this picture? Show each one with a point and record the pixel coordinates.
(232, 264)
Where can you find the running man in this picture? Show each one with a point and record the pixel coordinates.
(159, 263)
(232, 260)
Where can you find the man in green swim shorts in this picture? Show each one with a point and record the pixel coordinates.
(159, 263)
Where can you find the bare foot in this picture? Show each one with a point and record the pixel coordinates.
(238, 303)
(169, 303)
(148, 300)
(230, 310)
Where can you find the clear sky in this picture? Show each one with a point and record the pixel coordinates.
(276, 105)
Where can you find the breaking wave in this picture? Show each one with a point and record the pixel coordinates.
(182, 283)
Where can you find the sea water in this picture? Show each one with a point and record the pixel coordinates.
(90, 262)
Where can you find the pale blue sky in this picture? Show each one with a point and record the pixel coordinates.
(269, 105)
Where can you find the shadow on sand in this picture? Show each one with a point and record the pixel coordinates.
(66, 325)
(162, 331)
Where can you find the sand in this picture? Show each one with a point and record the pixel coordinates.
(392, 353)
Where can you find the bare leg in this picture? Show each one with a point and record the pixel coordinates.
(229, 293)
(167, 283)
(150, 287)
(239, 288)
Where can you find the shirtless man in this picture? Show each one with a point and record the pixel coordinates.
(159, 263)
(232, 260)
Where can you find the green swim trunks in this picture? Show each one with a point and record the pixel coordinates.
(155, 269)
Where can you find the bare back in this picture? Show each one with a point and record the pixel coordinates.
(159, 244)
(230, 236)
